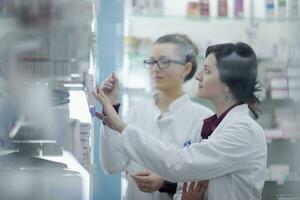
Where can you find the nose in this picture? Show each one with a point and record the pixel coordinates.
(156, 67)
(199, 75)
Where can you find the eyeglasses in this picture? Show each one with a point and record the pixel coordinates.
(162, 63)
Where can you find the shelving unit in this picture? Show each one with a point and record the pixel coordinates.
(44, 50)
(144, 29)
(274, 39)
(209, 18)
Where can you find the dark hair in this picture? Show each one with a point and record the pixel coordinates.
(186, 48)
(237, 64)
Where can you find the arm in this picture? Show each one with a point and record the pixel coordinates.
(149, 182)
(112, 160)
(169, 187)
(225, 152)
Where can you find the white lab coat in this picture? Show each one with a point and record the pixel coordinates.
(181, 124)
(233, 158)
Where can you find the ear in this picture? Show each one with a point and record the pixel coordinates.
(226, 88)
(187, 69)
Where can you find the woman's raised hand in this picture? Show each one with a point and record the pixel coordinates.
(111, 88)
(109, 116)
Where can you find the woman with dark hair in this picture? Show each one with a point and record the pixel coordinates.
(233, 158)
(170, 114)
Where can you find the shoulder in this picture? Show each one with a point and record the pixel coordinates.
(138, 110)
(250, 122)
(244, 124)
(141, 105)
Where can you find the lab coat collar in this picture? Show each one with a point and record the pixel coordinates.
(177, 103)
(211, 123)
(234, 113)
(173, 107)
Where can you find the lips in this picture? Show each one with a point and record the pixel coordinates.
(157, 77)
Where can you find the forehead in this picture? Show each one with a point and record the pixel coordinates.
(165, 49)
(210, 60)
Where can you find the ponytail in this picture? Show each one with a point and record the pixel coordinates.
(253, 101)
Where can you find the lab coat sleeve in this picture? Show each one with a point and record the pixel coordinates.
(225, 152)
(178, 194)
(113, 161)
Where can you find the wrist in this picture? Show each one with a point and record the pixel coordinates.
(168, 187)
(162, 183)
(114, 100)
(121, 127)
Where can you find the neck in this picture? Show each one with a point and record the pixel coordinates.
(221, 106)
(165, 98)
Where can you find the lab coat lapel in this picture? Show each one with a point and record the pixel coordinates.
(231, 116)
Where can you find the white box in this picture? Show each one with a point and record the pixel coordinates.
(279, 173)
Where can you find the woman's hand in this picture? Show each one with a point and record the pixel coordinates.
(110, 117)
(194, 192)
(147, 181)
(111, 88)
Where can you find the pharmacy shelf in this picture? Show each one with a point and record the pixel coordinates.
(255, 31)
(288, 181)
(282, 139)
(4, 16)
(289, 189)
(206, 18)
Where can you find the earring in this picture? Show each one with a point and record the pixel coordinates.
(226, 97)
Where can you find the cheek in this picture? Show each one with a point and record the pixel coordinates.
(211, 86)
(153, 72)
(173, 75)
(150, 72)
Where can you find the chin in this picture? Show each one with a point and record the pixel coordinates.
(201, 95)
(158, 86)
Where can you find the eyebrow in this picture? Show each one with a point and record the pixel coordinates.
(162, 57)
